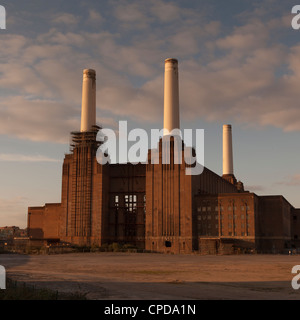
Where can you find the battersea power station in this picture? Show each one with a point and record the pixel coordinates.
(157, 206)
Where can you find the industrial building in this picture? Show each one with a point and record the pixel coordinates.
(157, 206)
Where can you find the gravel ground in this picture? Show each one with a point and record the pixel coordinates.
(137, 276)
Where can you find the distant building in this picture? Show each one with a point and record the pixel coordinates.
(8, 235)
(9, 232)
(158, 207)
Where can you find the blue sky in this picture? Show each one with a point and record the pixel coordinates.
(239, 63)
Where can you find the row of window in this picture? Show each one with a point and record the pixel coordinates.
(230, 233)
(130, 201)
(209, 226)
(221, 208)
(216, 216)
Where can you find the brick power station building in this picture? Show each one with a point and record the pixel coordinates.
(159, 207)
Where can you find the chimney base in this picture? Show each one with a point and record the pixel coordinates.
(230, 178)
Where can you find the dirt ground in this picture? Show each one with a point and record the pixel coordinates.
(137, 276)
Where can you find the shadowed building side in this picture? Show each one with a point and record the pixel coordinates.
(127, 199)
(44, 222)
(83, 201)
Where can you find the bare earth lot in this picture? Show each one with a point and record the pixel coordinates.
(140, 276)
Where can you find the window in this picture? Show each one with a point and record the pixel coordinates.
(208, 208)
(168, 244)
(242, 208)
(130, 228)
(209, 217)
(130, 202)
(199, 217)
(116, 201)
(199, 209)
(204, 209)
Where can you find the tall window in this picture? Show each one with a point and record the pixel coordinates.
(117, 201)
(130, 218)
(130, 202)
(116, 205)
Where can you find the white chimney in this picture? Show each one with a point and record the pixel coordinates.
(88, 107)
(171, 96)
(227, 150)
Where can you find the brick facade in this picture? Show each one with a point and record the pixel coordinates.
(159, 208)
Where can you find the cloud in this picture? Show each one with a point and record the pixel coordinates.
(95, 17)
(291, 181)
(37, 120)
(10, 210)
(243, 38)
(166, 11)
(246, 74)
(255, 188)
(12, 157)
(65, 18)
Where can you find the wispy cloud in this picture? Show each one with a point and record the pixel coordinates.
(65, 18)
(13, 211)
(255, 188)
(12, 157)
(8, 204)
(291, 181)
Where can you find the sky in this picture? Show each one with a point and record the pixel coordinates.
(239, 64)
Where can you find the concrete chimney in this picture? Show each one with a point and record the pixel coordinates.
(88, 106)
(227, 150)
(171, 96)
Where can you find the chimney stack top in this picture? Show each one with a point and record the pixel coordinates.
(89, 73)
(172, 60)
